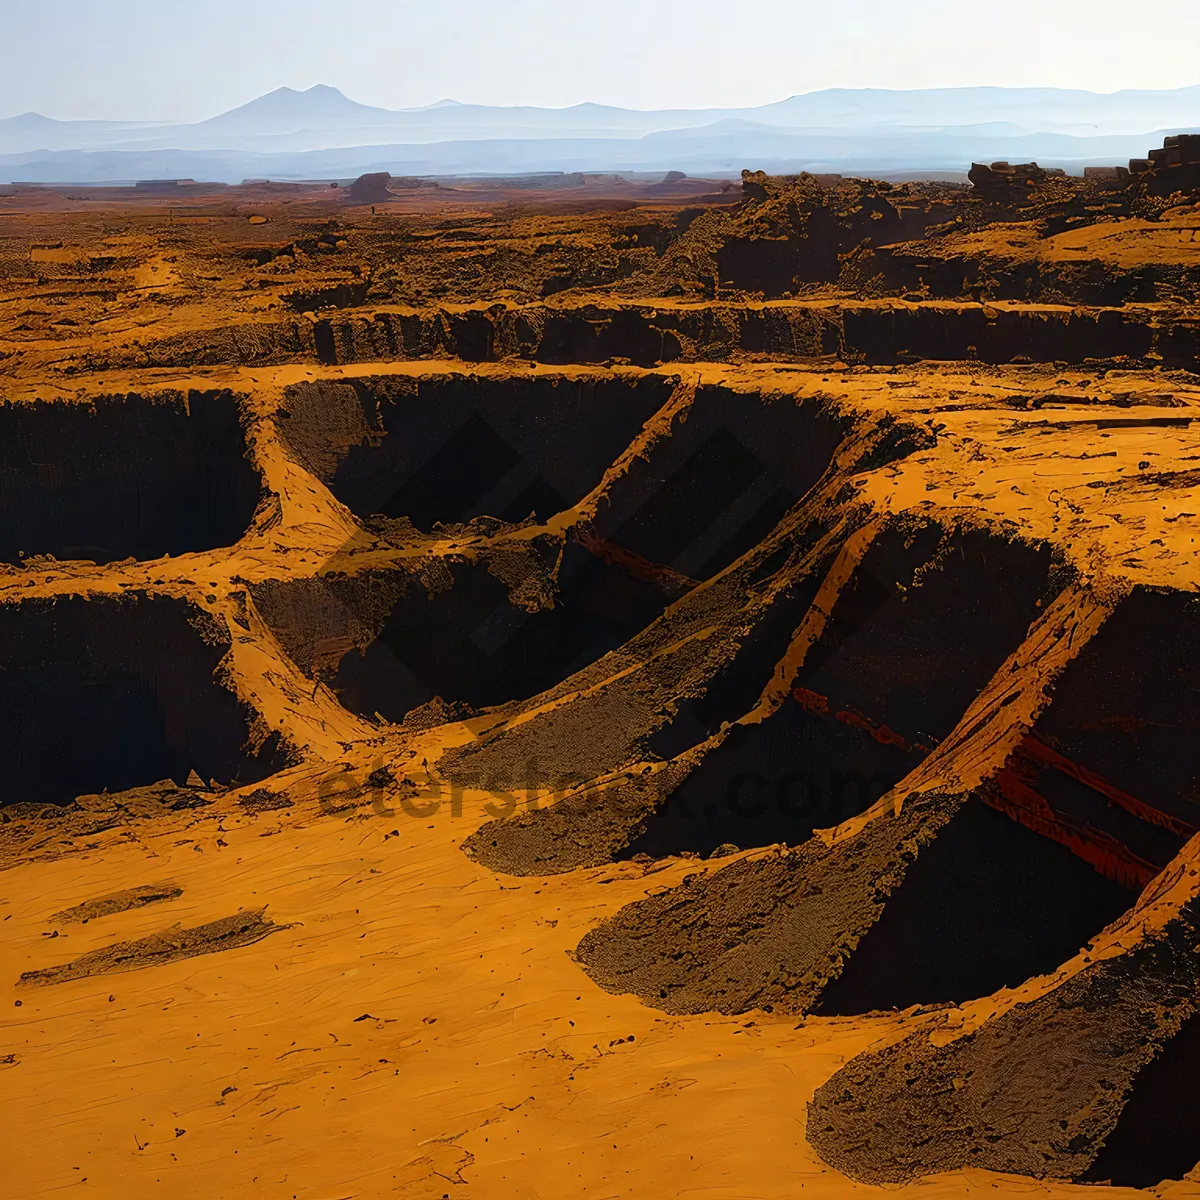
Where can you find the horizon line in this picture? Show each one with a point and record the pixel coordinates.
(447, 101)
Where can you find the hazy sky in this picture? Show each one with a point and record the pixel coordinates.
(189, 59)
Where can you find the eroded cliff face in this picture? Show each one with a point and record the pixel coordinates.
(688, 697)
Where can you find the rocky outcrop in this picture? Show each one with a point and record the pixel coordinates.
(370, 189)
(1006, 176)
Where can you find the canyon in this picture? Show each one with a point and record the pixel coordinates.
(587, 686)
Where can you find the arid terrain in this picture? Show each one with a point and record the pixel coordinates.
(578, 687)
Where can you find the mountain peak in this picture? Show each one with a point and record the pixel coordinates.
(318, 90)
(31, 119)
(286, 109)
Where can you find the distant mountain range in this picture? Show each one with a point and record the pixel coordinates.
(321, 133)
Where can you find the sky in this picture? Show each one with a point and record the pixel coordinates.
(184, 60)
